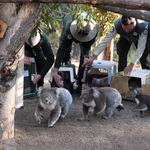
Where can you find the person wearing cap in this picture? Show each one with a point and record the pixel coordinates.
(84, 34)
(39, 47)
(131, 30)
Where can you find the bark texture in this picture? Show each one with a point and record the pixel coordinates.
(129, 4)
(140, 14)
(20, 25)
(135, 8)
(7, 112)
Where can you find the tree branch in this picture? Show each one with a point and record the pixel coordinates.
(140, 14)
(128, 4)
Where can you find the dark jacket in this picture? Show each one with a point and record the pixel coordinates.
(66, 40)
(45, 52)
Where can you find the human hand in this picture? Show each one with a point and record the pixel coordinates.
(27, 61)
(128, 69)
(37, 77)
(87, 62)
(58, 80)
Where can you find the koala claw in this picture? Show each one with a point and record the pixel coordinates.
(105, 117)
(62, 116)
(50, 126)
(38, 119)
(81, 119)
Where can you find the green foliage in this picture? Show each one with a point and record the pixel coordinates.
(80, 16)
(52, 15)
(105, 20)
(50, 18)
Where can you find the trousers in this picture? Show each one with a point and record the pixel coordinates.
(123, 47)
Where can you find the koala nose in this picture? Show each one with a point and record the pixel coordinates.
(46, 99)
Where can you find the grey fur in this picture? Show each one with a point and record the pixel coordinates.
(100, 98)
(142, 101)
(57, 100)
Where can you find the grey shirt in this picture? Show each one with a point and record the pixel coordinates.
(142, 38)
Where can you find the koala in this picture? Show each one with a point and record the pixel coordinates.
(142, 101)
(100, 98)
(57, 100)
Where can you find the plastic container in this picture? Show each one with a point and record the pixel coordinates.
(29, 89)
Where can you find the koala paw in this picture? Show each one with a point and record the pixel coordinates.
(50, 123)
(39, 118)
(63, 116)
(50, 126)
(82, 119)
(105, 117)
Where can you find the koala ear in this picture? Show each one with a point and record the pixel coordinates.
(84, 86)
(137, 101)
(39, 91)
(137, 91)
(95, 92)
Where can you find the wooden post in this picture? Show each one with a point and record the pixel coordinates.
(7, 112)
(12, 101)
(20, 80)
(108, 53)
(19, 27)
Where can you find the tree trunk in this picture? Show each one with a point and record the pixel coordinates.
(7, 112)
(140, 14)
(20, 80)
(127, 4)
(19, 27)
(108, 53)
(135, 8)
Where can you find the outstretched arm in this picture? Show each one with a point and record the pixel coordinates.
(101, 47)
(65, 46)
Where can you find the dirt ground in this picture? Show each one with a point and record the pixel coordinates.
(124, 131)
